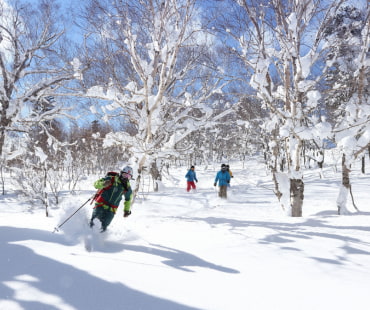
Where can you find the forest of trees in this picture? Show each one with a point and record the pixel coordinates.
(177, 82)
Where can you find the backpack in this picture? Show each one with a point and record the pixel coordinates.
(99, 192)
(110, 174)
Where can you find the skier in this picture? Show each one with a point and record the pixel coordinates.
(229, 171)
(191, 176)
(110, 191)
(223, 179)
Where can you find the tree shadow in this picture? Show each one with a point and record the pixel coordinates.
(285, 235)
(177, 259)
(24, 272)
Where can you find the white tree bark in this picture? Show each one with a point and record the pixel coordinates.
(161, 43)
(275, 45)
(27, 75)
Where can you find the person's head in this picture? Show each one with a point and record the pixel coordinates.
(192, 167)
(126, 173)
(223, 167)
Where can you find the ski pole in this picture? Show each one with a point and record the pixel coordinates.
(60, 225)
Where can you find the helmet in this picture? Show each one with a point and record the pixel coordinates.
(127, 172)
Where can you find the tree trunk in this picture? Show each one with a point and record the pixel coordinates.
(277, 191)
(138, 178)
(45, 194)
(320, 160)
(282, 164)
(296, 196)
(2, 136)
(2, 179)
(156, 175)
(345, 188)
(345, 173)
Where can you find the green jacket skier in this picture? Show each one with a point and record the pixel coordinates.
(111, 189)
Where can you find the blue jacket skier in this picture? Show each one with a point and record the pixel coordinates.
(191, 176)
(223, 179)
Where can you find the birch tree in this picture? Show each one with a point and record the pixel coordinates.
(31, 65)
(349, 37)
(157, 74)
(280, 41)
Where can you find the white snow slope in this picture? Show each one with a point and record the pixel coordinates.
(182, 250)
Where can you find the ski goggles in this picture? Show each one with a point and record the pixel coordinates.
(126, 175)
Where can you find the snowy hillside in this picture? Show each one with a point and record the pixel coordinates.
(182, 250)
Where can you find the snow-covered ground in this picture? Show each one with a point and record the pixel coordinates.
(182, 250)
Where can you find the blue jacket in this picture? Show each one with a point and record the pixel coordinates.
(191, 176)
(223, 178)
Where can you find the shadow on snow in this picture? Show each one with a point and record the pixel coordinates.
(20, 267)
(289, 233)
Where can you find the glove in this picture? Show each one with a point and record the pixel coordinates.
(196, 181)
(214, 184)
(126, 213)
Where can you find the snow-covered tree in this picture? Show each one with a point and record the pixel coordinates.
(281, 42)
(348, 34)
(152, 56)
(33, 65)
